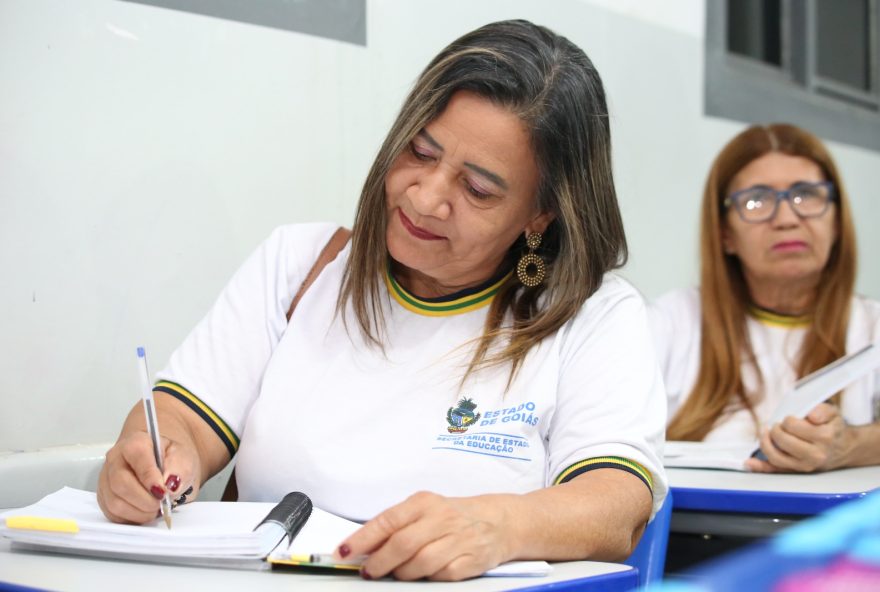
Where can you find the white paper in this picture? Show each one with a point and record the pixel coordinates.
(521, 568)
(204, 529)
(324, 532)
(320, 535)
(823, 383)
(707, 455)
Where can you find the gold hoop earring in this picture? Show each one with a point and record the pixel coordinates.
(530, 269)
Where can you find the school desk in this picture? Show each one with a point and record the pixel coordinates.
(717, 511)
(20, 570)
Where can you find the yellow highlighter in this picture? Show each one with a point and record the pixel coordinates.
(40, 523)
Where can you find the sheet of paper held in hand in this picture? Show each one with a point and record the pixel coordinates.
(808, 392)
(213, 534)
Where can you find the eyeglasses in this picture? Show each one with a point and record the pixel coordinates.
(759, 204)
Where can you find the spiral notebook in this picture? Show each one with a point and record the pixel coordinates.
(210, 534)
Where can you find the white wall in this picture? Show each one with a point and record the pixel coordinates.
(144, 152)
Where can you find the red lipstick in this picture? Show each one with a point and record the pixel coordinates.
(414, 230)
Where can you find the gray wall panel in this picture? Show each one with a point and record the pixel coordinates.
(343, 20)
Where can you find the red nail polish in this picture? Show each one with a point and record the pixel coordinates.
(157, 492)
(173, 482)
(344, 551)
(365, 574)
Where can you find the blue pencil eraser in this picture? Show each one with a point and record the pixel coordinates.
(140, 352)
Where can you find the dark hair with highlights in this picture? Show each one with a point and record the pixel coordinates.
(551, 85)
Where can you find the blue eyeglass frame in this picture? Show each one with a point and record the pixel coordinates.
(785, 194)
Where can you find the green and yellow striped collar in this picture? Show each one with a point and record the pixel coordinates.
(458, 303)
(775, 319)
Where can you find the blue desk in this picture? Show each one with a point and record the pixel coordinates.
(70, 573)
(715, 512)
(705, 490)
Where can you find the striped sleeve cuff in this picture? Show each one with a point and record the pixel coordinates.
(607, 462)
(226, 435)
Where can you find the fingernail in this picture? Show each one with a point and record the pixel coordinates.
(365, 574)
(157, 492)
(173, 482)
(344, 551)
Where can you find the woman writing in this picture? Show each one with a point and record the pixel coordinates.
(776, 302)
(462, 375)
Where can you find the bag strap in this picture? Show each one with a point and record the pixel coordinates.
(333, 247)
(328, 253)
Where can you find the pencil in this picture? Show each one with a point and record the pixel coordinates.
(153, 428)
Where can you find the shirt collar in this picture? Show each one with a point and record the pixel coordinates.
(766, 316)
(460, 302)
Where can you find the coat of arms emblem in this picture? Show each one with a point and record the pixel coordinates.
(462, 416)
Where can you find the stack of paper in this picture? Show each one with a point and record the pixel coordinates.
(209, 533)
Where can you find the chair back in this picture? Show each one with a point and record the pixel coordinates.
(649, 556)
(28, 475)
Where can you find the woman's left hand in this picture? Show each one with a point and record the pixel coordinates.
(820, 442)
(431, 536)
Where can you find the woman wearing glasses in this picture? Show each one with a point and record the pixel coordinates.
(775, 303)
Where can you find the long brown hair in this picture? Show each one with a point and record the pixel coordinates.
(724, 296)
(553, 87)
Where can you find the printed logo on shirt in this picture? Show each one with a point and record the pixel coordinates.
(512, 445)
(462, 416)
(524, 413)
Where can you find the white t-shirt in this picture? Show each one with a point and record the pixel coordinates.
(776, 340)
(358, 430)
